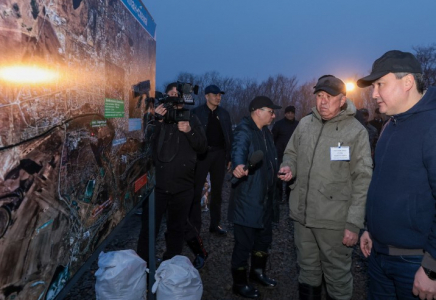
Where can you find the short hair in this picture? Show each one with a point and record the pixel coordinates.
(171, 86)
(418, 80)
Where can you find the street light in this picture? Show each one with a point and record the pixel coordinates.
(350, 86)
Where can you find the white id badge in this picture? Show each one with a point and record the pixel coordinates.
(340, 153)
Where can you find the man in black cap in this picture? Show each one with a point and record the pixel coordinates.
(400, 241)
(330, 157)
(251, 207)
(218, 127)
(282, 132)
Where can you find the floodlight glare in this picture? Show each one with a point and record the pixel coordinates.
(27, 74)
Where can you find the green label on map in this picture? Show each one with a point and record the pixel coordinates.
(113, 108)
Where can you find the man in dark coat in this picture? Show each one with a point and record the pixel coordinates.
(215, 121)
(282, 132)
(251, 206)
(175, 149)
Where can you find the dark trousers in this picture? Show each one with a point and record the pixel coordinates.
(177, 207)
(248, 239)
(391, 277)
(213, 162)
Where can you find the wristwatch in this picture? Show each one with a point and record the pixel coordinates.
(431, 274)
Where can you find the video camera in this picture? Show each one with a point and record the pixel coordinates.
(185, 96)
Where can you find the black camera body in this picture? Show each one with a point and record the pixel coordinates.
(185, 96)
(175, 115)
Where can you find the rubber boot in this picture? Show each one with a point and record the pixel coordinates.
(197, 247)
(241, 286)
(257, 271)
(308, 292)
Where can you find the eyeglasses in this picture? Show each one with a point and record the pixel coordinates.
(270, 111)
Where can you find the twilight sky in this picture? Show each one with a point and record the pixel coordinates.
(306, 38)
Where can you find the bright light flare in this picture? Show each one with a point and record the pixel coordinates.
(350, 86)
(27, 74)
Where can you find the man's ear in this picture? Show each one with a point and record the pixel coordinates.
(343, 100)
(408, 82)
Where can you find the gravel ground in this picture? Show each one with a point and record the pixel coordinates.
(216, 276)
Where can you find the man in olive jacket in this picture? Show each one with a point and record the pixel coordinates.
(330, 157)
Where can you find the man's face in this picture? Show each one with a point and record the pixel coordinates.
(290, 115)
(365, 117)
(266, 115)
(388, 91)
(173, 92)
(329, 106)
(213, 99)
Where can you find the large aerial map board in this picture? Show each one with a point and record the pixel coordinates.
(70, 166)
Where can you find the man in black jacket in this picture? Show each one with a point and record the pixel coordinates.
(218, 127)
(251, 207)
(175, 149)
(282, 132)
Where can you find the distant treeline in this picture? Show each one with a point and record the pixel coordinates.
(287, 91)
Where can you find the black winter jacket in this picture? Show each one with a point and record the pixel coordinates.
(253, 197)
(282, 132)
(202, 112)
(175, 155)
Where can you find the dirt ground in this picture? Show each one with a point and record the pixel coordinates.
(216, 276)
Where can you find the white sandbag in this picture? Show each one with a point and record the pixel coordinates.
(177, 279)
(121, 275)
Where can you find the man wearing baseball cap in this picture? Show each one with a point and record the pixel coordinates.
(218, 127)
(330, 157)
(400, 241)
(251, 207)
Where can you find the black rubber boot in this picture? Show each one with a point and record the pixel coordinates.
(257, 271)
(241, 286)
(308, 292)
(196, 246)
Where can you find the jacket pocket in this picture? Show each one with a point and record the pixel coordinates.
(334, 202)
(336, 191)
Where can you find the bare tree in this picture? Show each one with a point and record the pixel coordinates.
(304, 99)
(427, 58)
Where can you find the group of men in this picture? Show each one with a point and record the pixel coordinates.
(336, 192)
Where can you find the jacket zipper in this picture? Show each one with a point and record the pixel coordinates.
(310, 170)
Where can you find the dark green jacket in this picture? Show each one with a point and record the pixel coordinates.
(329, 194)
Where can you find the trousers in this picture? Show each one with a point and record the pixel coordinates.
(321, 252)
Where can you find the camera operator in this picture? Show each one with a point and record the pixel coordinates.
(175, 148)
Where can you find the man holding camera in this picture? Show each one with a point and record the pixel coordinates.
(175, 149)
(218, 127)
